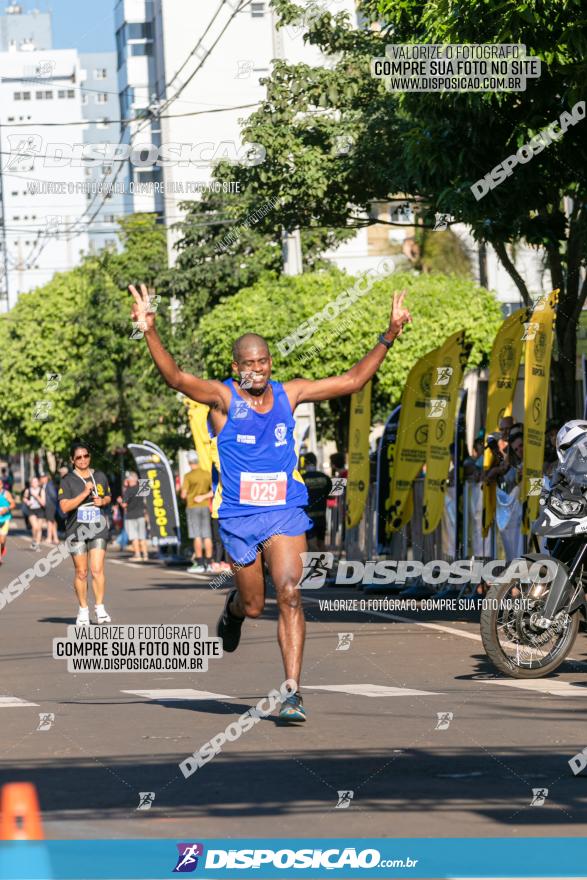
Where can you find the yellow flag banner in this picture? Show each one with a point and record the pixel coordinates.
(409, 454)
(504, 365)
(198, 415)
(538, 337)
(447, 373)
(358, 478)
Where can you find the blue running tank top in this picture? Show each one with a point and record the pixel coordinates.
(257, 458)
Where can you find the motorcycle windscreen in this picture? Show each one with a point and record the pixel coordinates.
(574, 465)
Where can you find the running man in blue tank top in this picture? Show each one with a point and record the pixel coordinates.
(260, 496)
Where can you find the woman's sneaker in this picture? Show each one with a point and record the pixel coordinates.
(83, 617)
(102, 615)
(229, 627)
(292, 708)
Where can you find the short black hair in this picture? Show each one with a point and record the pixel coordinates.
(78, 444)
(243, 340)
(310, 458)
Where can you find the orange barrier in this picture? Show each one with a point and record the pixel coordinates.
(20, 814)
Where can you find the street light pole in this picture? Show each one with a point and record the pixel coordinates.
(3, 286)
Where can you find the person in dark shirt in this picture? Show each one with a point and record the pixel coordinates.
(319, 486)
(84, 494)
(133, 505)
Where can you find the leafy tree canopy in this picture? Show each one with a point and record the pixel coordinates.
(274, 308)
(77, 328)
(432, 147)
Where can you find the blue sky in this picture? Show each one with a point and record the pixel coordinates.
(86, 25)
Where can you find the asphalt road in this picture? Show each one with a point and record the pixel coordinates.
(372, 724)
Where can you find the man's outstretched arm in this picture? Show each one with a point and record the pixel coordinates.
(203, 390)
(300, 390)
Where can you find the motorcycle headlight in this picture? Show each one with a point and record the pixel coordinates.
(567, 508)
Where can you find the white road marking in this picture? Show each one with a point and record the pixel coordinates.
(370, 690)
(179, 694)
(554, 686)
(438, 626)
(159, 570)
(8, 702)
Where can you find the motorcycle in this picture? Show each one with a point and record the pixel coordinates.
(528, 627)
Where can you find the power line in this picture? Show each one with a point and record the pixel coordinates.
(194, 50)
(165, 105)
(149, 119)
(107, 121)
(208, 52)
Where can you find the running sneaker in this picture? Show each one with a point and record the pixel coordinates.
(102, 615)
(3, 551)
(229, 627)
(197, 569)
(292, 708)
(83, 617)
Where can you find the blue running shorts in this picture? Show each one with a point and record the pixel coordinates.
(241, 535)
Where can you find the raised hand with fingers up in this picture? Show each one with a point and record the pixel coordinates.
(399, 316)
(143, 309)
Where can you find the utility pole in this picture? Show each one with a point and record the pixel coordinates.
(4, 296)
(291, 248)
(291, 242)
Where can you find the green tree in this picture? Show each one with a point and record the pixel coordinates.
(439, 305)
(433, 147)
(78, 327)
(227, 242)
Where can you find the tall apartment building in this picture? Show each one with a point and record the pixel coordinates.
(41, 191)
(53, 104)
(188, 72)
(100, 106)
(19, 29)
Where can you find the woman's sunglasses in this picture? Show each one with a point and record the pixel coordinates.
(79, 457)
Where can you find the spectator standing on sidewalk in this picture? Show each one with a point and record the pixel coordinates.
(34, 498)
(7, 479)
(51, 499)
(509, 506)
(196, 489)
(135, 523)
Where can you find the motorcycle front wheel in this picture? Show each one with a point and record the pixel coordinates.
(514, 642)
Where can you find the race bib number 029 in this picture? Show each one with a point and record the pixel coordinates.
(88, 514)
(263, 490)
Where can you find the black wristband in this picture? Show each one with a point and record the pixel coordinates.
(386, 342)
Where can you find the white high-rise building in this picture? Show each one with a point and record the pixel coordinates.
(54, 104)
(105, 203)
(42, 198)
(190, 74)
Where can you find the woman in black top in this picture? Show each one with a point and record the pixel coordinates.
(83, 495)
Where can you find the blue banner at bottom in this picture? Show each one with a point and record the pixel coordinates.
(383, 858)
